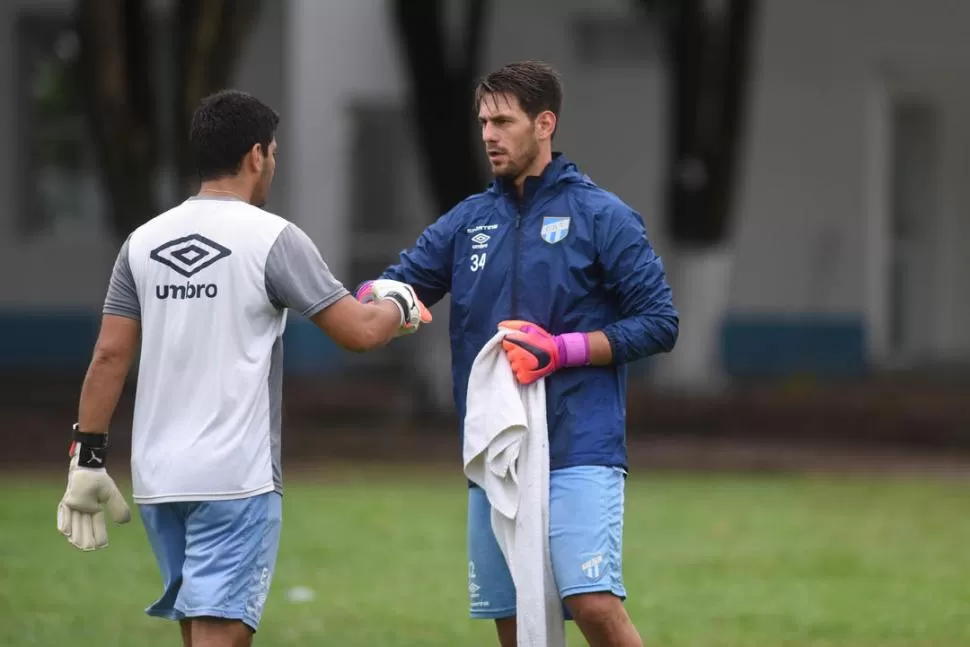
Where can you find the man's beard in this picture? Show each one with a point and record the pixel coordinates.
(517, 167)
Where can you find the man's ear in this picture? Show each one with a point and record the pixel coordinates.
(257, 157)
(545, 124)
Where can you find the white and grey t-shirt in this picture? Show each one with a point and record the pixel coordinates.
(210, 281)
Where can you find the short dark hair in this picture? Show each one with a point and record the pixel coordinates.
(225, 126)
(536, 85)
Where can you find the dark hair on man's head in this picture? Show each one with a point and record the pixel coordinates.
(536, 85)
(225, 126)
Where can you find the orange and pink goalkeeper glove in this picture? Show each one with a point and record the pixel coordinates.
(533, 353)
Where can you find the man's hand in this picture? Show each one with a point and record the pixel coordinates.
(413, 312)
(533, 353)
(79, 514)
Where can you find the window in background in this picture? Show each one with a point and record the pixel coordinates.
(59, 190)
(389, 208)
(915, 220)
(386, 177)
(378, 210)
(613, 41)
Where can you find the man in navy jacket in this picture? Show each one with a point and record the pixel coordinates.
(569, 265)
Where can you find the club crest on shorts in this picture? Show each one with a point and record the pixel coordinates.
(593, 568)
(554, 228)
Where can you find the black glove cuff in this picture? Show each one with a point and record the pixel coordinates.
(405, 308)
(92, 449)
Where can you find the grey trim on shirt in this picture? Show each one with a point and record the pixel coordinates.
(297, 277)
(122, 297)
(275, 387)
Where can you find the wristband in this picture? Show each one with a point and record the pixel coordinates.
(573, 349)
(92, 449)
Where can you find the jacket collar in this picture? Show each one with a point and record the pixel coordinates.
(560, 169)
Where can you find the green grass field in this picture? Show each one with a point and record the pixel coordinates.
(710, 561)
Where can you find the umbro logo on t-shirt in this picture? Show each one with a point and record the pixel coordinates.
(189, 254)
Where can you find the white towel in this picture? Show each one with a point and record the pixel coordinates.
(506, 453)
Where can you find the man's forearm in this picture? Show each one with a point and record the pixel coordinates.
(600, 351)
(383, 323)
(100, 392)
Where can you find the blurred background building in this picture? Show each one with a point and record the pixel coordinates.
(844, 259)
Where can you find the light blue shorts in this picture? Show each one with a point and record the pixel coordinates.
(216, 557)
(585, 540)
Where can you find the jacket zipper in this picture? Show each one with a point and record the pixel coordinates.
(515, 261)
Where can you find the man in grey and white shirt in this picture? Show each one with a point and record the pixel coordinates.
(206, 287)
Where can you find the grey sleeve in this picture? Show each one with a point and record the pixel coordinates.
(297, 276)
(122, 297)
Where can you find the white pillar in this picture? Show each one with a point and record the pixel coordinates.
(314, 127)
(701, 283)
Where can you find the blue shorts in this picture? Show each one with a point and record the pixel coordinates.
(216, 557)
(585, 540)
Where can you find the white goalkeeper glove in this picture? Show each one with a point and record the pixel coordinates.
(413, 312)
(79, 514)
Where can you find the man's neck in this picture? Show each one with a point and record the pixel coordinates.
(226, 187)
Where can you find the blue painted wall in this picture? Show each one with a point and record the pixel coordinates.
(779, 346)
(752, 346)
(61, 341)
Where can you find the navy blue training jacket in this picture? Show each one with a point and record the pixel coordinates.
(570, 257)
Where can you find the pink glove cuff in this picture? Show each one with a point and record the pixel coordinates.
(363, 290)
(573, 349)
